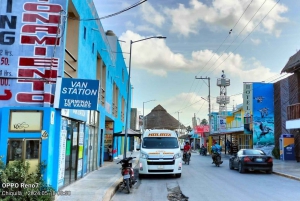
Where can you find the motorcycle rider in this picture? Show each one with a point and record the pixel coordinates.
(186, 149)
(203, 150)
(216, 149)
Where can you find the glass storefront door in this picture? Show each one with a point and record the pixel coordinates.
(71, 152)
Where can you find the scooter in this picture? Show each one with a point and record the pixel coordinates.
(203, 151)
(217, 160)
(127, 173)
(186, 157)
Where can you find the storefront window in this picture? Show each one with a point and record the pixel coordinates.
(15, 150)
(32, 149)
(27, 150)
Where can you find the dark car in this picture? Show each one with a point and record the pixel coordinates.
(251, 159)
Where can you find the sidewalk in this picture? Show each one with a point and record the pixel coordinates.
(99, 185)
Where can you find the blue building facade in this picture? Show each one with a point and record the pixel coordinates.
(42, 42)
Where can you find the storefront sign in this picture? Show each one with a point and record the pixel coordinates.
(221, 123)
(247, 99)
(28, 38)
(75, 114)
(25, 121)
(81, 94)
(44, 135)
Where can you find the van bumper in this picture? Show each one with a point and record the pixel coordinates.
(160, 166)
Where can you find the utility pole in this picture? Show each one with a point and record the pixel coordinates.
(178, 122)
(209, 110)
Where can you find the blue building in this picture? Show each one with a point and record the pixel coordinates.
(60, 44)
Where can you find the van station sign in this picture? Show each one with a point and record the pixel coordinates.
(28, 38)
(81, 94)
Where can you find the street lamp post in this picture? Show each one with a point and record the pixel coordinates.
(128, 90)
(144, 115)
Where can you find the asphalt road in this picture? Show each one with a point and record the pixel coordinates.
(201, 180)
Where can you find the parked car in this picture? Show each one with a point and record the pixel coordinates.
(251, 159)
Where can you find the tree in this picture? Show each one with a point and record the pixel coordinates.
(189, 129)
(204, 122)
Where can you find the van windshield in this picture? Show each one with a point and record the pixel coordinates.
(160, 143)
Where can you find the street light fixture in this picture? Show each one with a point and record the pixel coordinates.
(128, 85)
(144, 115)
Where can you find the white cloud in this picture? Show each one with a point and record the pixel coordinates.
(256, 41)
(193, 103)
(151, 15)
(156, 57)
(129, 25)
(145, 28)
(224, 13)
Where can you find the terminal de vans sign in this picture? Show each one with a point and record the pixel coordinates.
(79, 94)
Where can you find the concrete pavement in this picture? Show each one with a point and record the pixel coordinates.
(102, 184)
(99, 185)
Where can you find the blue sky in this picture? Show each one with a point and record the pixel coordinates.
(198, 43)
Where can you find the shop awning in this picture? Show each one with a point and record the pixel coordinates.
(130, 133)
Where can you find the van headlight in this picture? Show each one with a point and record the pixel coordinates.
(144, 155)
(178, 155)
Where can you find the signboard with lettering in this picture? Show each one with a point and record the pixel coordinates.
(221, 123)
(30, 30)
(25, 121)
(81, 94)
(75, 114)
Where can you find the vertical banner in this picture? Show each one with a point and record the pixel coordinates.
(212, 124)
(80, 150)
(248, 107)
(263, 117)
(62, 153)
(221, 124)
(31, 31)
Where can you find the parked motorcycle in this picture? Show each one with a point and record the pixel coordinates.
(127, 173)
(203, 151)
(217, 160)
(186, 157)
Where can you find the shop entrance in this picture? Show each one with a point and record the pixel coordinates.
(27, 150)
(71, 152)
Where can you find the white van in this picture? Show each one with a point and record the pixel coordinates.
(160, 153)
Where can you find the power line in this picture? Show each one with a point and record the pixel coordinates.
(236, 37)
(215, 53)
(238, 93)
(226, 37)
(111, 15)
(247, 36)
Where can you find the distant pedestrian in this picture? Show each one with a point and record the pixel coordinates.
(192, 145)
(109, 153)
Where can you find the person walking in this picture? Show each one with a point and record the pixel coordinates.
(110, 153)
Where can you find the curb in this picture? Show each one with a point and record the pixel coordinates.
(286, 175)
(113, 189)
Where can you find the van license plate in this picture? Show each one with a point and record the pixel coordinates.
(160, 167)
